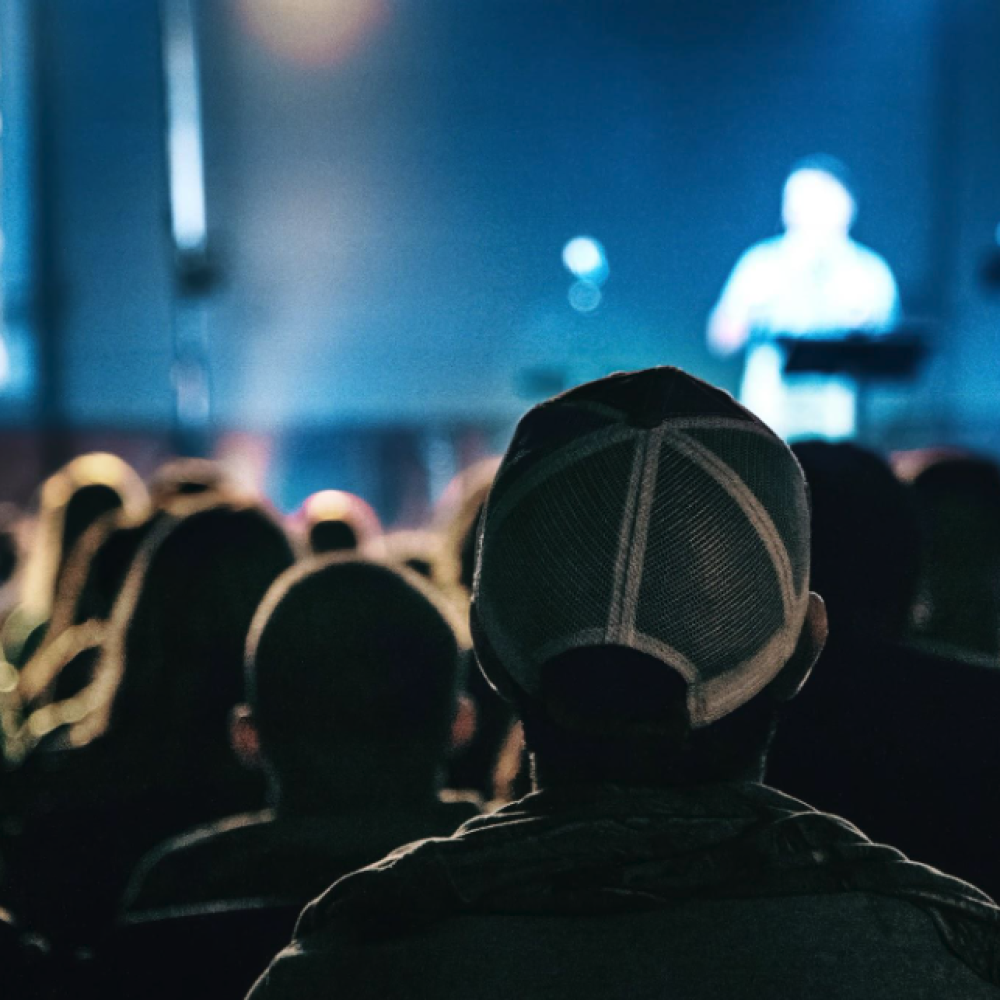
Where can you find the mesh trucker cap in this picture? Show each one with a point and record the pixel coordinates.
(647, 510)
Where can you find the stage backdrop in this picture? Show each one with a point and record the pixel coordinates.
(389, 195)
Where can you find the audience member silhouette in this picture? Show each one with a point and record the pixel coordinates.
(865, 540)
(95, 571)
(337, 521)
(182, 479)
(71, 500)
(95, 574)
(144, 752)
(351, 671)
(457, 518)
(642, 596)
(900, 741)
(958, 606)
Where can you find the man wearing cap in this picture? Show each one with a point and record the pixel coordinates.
(642, 598)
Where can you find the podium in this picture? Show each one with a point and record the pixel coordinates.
(866, 359)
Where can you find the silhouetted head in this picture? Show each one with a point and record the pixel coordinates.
(86, 505)
(183, 479)
(173, 664)
(457, 520)
(71, 501)
(458, 516)
(865, 538)
(642, 587)
(970, 480)
(337, 521)
(958, 497)
(90, 584)
(101, 564)
(88, 588)
(352, 664)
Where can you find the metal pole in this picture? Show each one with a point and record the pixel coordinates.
(188, 228)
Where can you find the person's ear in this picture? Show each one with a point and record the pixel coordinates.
(463, 726)
(812, 639)
(244, 738)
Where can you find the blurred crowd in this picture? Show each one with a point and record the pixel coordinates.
(210, 712)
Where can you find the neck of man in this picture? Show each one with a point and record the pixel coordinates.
(353, 779)
(556, 774)
(816, 243)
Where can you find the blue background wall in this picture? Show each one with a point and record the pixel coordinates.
(389, 227)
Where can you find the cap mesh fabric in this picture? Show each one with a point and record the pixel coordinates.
(550, 584)
(651, 511)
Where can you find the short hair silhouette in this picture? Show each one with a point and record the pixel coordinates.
(71, 500)
(173, 665)
(184, 478)
(98, 568)
(865, 537)
(458, 515)
(93, 578)
(958, 496)
(346, 651)
(337, 521)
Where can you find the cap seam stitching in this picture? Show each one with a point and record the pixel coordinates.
(748, 502)
(623, 557)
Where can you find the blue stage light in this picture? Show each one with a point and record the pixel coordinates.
(585, 259)
(584, 296)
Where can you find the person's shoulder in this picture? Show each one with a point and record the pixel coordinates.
(762, 254)
(163, 874)
(873, 934)
(215, 835)
(964, 920)
(960, 926)
(870, 259)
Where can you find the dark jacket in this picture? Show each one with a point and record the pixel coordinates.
(280, 858)
(86, 820)
(725, 891)
(903, 743)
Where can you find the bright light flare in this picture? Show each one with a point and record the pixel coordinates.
(584, 296)
(585, 259)
(313, 32)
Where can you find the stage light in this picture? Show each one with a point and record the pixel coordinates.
(584, 296)
(313, 32)
(585, 259)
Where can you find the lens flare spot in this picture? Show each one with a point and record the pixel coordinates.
(313, 32)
